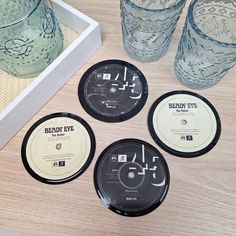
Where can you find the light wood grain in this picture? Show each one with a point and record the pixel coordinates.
(202, 196)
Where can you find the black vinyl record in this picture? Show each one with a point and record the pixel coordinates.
(58, 148)
(184, 124)
(131, 177)
(113, 91)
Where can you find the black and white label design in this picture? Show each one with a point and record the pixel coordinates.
(113, 90)
(132, 176)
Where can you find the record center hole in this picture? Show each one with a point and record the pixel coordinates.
(184, 122)
(112, 90)
(131, 175)
(59, 146)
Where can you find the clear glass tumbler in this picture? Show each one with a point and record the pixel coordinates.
(147, 27)
(207, 49)
(30, 37)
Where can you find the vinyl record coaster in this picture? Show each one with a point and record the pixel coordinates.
(184, 124)
(131, 177)
(113, 91)
(58, 148)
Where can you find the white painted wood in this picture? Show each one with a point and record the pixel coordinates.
(25, 105)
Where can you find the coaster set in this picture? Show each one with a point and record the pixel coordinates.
(131, 177)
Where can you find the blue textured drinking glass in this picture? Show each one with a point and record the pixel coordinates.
(147, 27)
(207, 49)
(30, 37)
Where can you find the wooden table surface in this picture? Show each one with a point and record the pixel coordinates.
(202, 197)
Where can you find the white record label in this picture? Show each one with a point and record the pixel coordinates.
(184, 123)
(58, 148)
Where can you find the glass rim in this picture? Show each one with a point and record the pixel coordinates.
(177, 5)
(200, 32)
(26, 16)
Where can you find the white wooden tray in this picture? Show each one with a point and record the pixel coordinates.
(15, 115)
